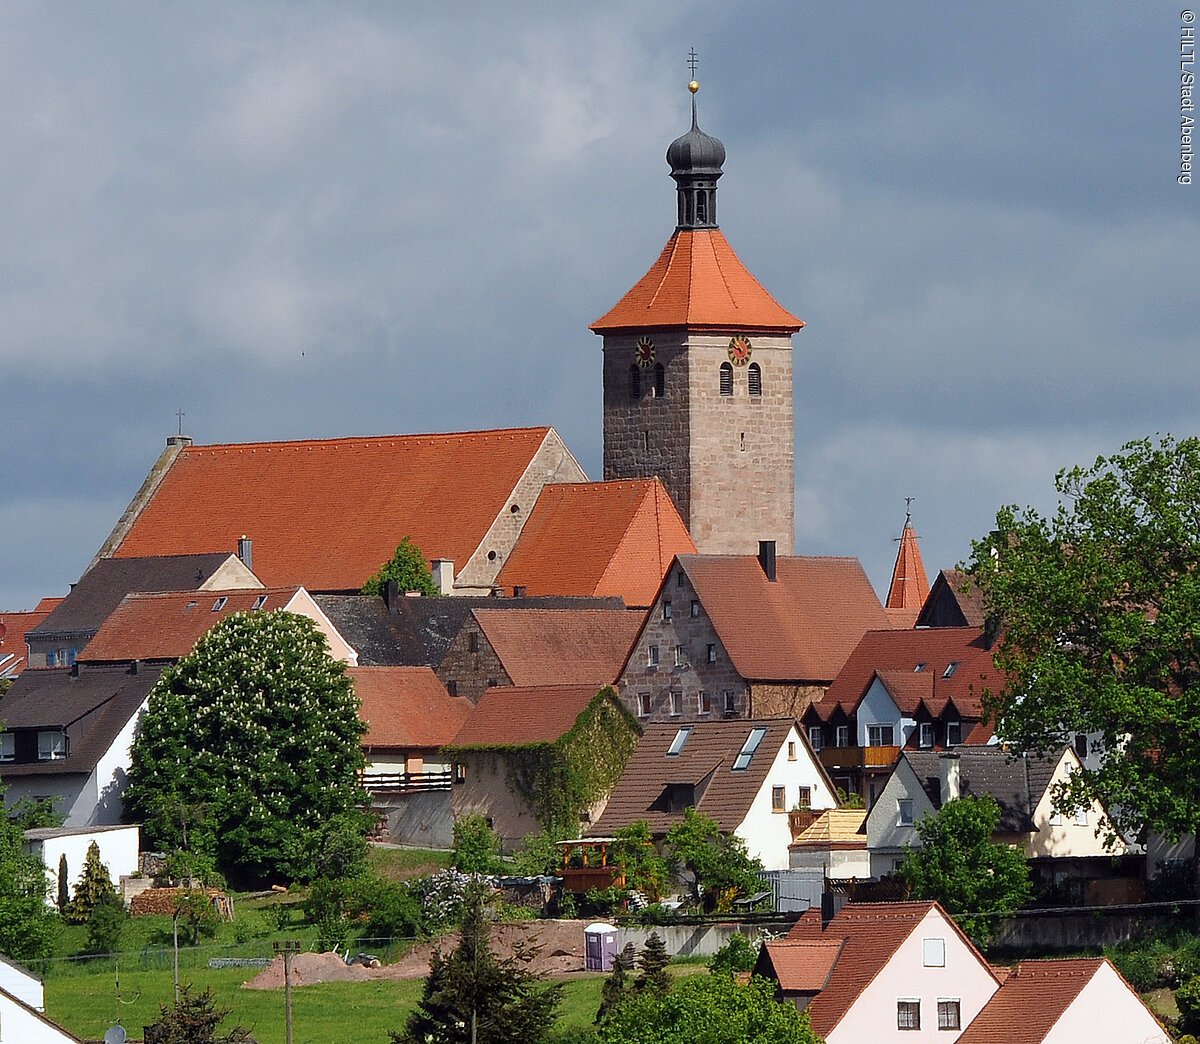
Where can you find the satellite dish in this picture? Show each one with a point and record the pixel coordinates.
(114, 1035)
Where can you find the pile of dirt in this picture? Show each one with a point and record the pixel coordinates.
(307, 969)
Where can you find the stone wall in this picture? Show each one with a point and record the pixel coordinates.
(471, 672)
(485, 789)
(783, 699)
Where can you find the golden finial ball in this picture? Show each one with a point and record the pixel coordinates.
(694, 86)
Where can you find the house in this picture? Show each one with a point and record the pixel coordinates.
(327, 513)
(14, 648)
(535, 647)
(910, 586)
(746, 775)
(1055, 841)
(22, 1009)
(902, 689)
(834, 843)
(598, 538)
(513, 728)
(120, 850)
(68, 732)
(747, 636)
(163, 628)
(67, 630)
(881, 972)
(1064, 1002)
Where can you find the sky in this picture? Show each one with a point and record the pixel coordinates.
(303, 220)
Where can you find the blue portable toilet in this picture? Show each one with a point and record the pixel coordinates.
(599, 946)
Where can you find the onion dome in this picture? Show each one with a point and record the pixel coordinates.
(695, 159)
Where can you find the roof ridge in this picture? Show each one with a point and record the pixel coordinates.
(345, 439)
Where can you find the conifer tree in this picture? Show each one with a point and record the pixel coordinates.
(93, 888)
(617, 986)
(654, 977)
(194, 1020)
(64, 885)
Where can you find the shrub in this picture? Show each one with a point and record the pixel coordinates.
(104, 926)
(93, 888)
(476, 846)
(737, 955)
(1187, 997)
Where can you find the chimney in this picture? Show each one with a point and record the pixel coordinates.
(831, 905)
(766, 558)
(179, 440)
(390, 593)
(443, 575)
(950, 776)
(245, 552)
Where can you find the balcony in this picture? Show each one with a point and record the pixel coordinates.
(858, 757)
(404, 782)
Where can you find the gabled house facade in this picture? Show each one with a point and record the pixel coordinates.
(747, 776)
(14, 648)
(22, 1009)
(744, 636)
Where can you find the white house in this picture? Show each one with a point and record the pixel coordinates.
(119, 849)
(22, 1007)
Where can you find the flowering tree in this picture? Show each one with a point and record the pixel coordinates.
(250, 749)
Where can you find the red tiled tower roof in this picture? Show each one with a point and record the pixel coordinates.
(910, 585)
(698, 282)
(328, 513)
(598, 538)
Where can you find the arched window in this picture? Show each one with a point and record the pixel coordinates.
(754, 379)
(660, 380)
(635, 381)
(726, 379)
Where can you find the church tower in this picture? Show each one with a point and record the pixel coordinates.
(698, 375)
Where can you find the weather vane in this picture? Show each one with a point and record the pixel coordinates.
(908, 502)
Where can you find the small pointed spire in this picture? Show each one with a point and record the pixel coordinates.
(910, 585)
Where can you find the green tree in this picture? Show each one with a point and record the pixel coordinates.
(105, 924)
(718, 863)
(976, 879)
(472, 996)
(250, 750)
(653, 976)
(476, 846)
(93, 888)
(27, 925)
(617, 986)
(737, 955)
(1096, 610)
(64, 885)
(709, 1009)
(645, 870)
(408, 568)
(195, 1020)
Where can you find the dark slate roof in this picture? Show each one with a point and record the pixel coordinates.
(102, 587)
(92, 704)
(952, 602)
(706, 762)
(417, 632)
(1017, 783)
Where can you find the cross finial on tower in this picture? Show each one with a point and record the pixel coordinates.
(693, 61)
(179, 415)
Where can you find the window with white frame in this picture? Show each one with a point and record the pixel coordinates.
(804, 797)
(814, 736)
(695, 608)
(652, 656)
(949, 1013)
(908, 1014)
(643, 704)
(8, 746)
(667, 609)
(681, 656)
(712, 653)
(676, 704)
(880, 735)
(677, 744)
(953, 733)
(791, 750)
(704, 702)
(933, 953)
(778, 799)
(841, 736)
(1056, 817)
(904, 812)
(1081, 816)
(925, 738)
(730, 702)
(52, 745)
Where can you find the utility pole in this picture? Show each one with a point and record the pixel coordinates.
(289, 948)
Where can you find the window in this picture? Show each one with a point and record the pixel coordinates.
(452, 687)
(814, 736)
(951, 667)
(919, 668)
(1081, 745)
(681, 656)
(953, 733)
(635, 381)
(908, 1014)
(660, 381)
(51, 659)
(643, 704)
(681, 737)
(676, 704)
(742, 761)
(949, 1014)
(652, 658)
(259, 602)
(754, 379)
(1056, 818)
(679, 578)
(730, 702)
(460, 772)
(8, 746)
(667, 609)
(726, 379)
(904, 812)
(472, 642)
(645, 441)
(933, 953)
(1081, 816)
(778, 800)
(219, 604)
(841, 736)
(71, 654)
(791, 750)
(711, 653)
(804, 797)
(926, 734)
(52, 746)
(704, 703)
(880, 735)
(695, 608)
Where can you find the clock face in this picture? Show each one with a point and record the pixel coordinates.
(643, 354)
(739, 351)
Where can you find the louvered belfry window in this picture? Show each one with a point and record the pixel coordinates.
(726, 379)
(754, 379)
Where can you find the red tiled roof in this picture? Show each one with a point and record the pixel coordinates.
(14, 627)
(406, 707)
(509, 716)
(1031, 1000)
(698, 282)
(910, 586)
(872, 933)
(598, 538)
(328, 513)
(802, 966)
(560, 646)
(167, 626)
(896, 652)
(801, 626)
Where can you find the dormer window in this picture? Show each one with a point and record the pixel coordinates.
(52, 745)
(219, 604)
(926, 734)
(8, 746)
(259, 602)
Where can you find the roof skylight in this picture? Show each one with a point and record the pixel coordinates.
(219, 604)
(681, 737)
(951, 667)
(752, 743)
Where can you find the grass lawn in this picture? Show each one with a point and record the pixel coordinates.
(404, 864)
